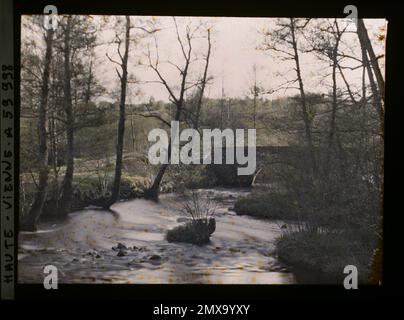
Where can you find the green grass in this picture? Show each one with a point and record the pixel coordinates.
(267, 205)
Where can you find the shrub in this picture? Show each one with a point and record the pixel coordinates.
(202, 225)
(267, 205)
(335, 213)
(316, 256)
(196, 207)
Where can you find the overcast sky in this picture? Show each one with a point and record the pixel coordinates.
(234, 53)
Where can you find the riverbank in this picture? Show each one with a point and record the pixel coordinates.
(93, 189)
(321, 257)
(314, 254)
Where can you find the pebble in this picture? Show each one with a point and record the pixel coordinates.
(155, 257)
(121, 246)
(121, 253)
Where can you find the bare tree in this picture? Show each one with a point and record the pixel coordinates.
(284, 41)
(367, 45)
(324, 41)
(124, 80)
(370, 61)
(67, 187)
(379, 99)
(178, 100)
(77, 36)
(123, 76)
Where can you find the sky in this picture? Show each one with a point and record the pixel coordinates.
(235, 43)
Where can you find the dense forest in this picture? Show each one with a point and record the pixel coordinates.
(83, 144)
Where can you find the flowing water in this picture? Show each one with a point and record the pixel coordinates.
(241, 249)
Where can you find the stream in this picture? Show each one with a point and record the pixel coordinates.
(241, 250)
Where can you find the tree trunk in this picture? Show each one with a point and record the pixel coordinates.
(255, 92)
(334, 104)
(365, 42)
(67, 187)
(88, 85)
(378, 98)
(121, 123)
(375, 93)
(153, 192)
(203, 84)
(132, 127)
(255, 111)
(333, 126)
(36, 209)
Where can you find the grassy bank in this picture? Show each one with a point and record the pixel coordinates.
(322, 240)
(322, 257)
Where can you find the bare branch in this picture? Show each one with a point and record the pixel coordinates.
(153, 115)
(179, 38)
(112, 60)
